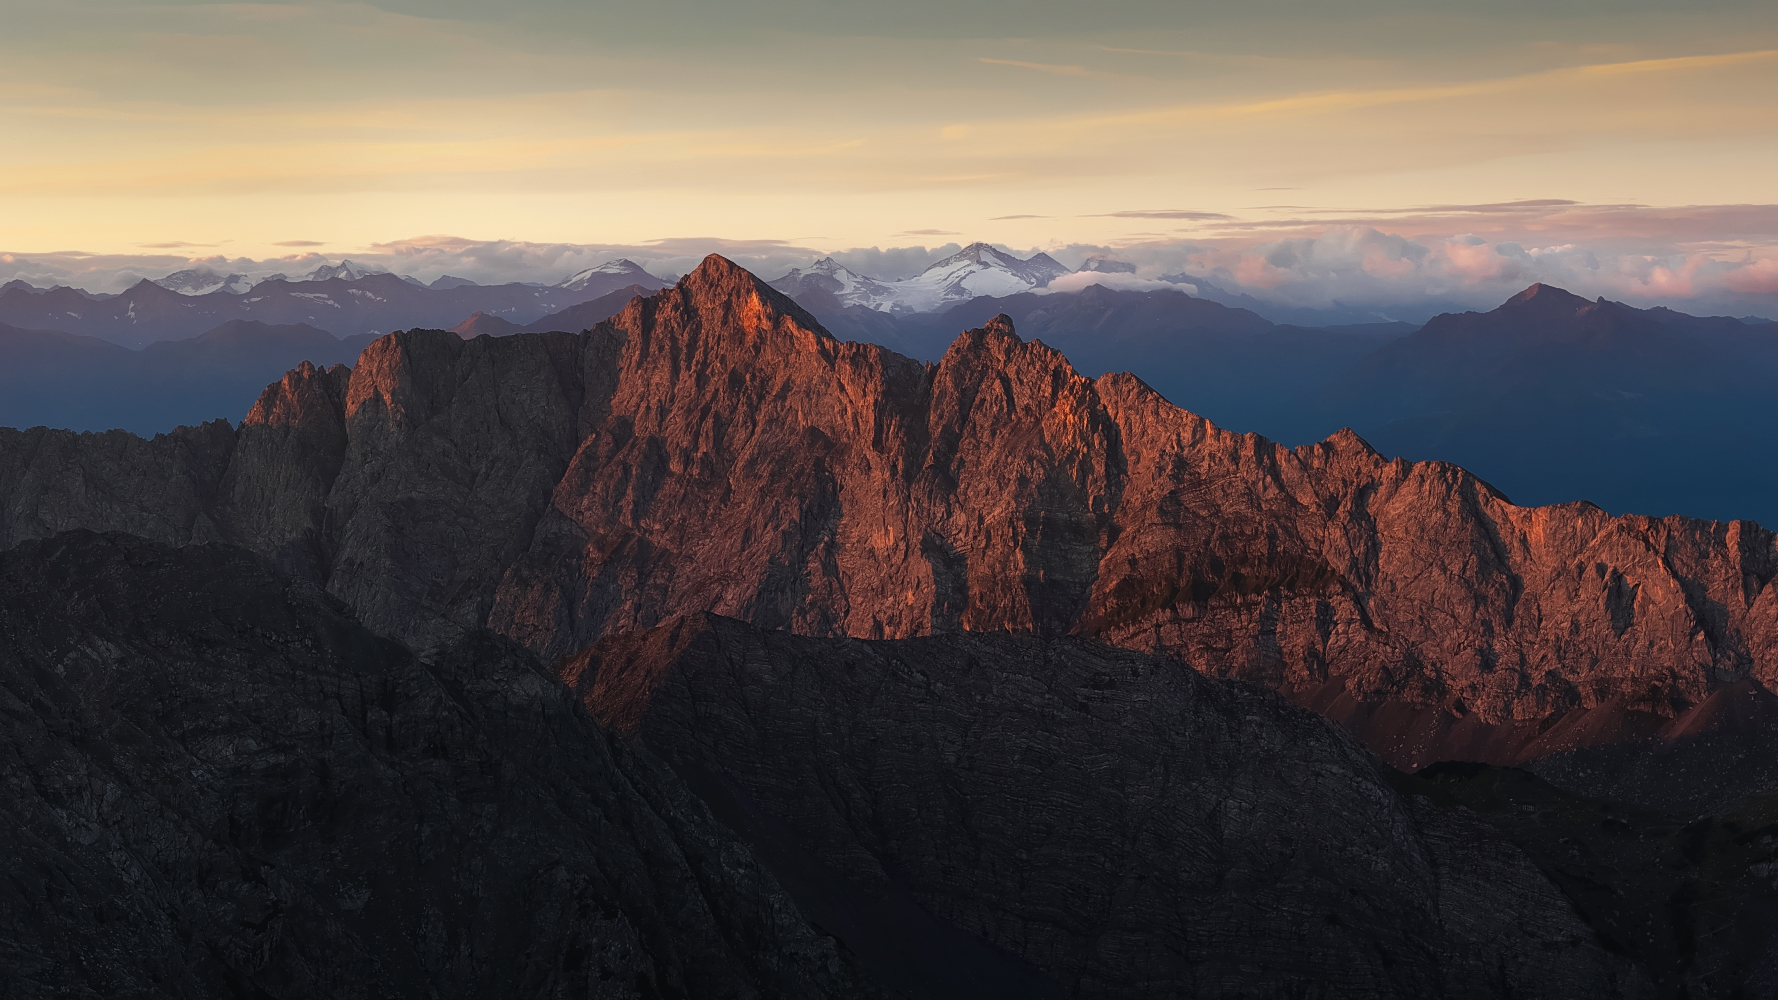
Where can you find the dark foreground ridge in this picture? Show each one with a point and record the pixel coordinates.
(218, 784)
(1128, 826)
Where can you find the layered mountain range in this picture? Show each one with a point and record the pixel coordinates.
(55, 379)
(1554, 396)
(710, 448)
(344, 299)
(958, 672)
(1551, 398)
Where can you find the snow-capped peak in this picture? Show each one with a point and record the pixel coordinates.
(830, 277)
(202, 281)
(620, 267)
(977, 269)
(344, 269)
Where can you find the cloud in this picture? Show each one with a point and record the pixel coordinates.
(1526, 205)
(1122, 282)
(174, 245)
(1160, 213)
(299, 243)
(1758, 277)
(928, 232)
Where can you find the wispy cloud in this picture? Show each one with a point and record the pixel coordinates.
(928, 232)
(1679, 63)
(299, 243)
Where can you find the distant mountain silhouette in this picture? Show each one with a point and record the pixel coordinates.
(481, 324)
(573, 319)
(1553, 397)
(344, 307)
(588, 314)
(56, 379)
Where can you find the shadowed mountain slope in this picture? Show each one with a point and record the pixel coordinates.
(1128, 827)
(711, 448)
(218, 784)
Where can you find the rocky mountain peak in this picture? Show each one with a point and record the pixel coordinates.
(1547, 298)
(480, 324)
(723, 293)
(302, 396)
(609, 275)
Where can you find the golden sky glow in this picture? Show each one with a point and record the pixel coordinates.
(247, 126)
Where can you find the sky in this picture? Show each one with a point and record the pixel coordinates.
(1383, 150)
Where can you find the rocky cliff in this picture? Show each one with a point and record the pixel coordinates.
(1128, 828)
(214, 783)
(710, 448)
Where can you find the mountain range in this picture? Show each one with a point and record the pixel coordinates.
(1555, 397)
(1116, 514)
(344, 299)
(977, 270)
(1591, 401)
(1550, 397)
(854, 674)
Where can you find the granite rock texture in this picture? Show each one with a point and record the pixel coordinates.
(710, 448)
(213, 782)
(1129, 828)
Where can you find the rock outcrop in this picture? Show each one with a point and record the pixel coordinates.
(1127, 827)
(710, 448)
(214, 783)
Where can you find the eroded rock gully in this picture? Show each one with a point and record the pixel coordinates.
(711, 449)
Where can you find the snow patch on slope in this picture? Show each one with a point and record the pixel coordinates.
(203, 281)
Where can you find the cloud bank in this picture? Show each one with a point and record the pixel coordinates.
(1404, 265)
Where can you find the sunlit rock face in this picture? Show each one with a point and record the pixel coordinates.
(710, 448)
